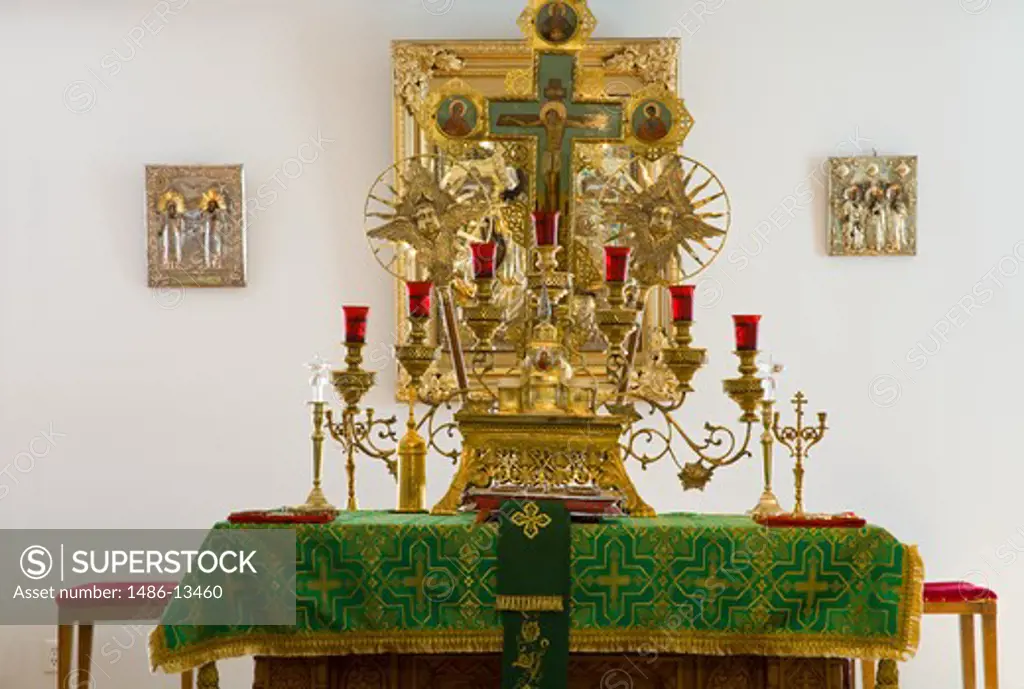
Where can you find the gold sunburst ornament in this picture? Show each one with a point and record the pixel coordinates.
(421, 215)
(674, 215)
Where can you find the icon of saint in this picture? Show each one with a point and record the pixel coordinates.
(653, 127)
(456, 125)
(556, 25)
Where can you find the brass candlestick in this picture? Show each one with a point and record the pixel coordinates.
(355, 433)
(768, 504)
(799, 439)
(317, 501)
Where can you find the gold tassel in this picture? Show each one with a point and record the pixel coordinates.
(530, 603)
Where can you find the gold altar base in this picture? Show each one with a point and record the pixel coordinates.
(541, 452)
(641, 670)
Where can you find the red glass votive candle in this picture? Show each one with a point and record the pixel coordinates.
(355, 323)
(419, 298)
(483, 259)
(682, 302)
(746, 332)
(616, 263)
(545, 227)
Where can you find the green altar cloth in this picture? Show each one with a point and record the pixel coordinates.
(377, 582)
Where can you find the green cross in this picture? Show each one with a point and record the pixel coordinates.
(556, 120)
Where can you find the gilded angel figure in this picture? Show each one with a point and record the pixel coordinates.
(665, 225)
(435, 218)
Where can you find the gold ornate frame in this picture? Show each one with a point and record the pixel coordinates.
(612, 68)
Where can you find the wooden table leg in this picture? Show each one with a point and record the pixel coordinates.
(968, 663)
(65, 640)
(186, 679)
(84, 655)
(990, 650)
(867, 668)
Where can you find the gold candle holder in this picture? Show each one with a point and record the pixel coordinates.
(683, 360)
(767, 504)
(747, 391)
(317, 501)
(484, 317)
(799, 439)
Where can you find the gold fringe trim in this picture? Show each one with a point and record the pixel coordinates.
(531, 603)
(913, 594)
(305, 644)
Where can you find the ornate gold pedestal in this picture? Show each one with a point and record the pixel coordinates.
(642, 670)
(544, 453)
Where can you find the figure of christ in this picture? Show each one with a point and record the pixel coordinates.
(554, 118)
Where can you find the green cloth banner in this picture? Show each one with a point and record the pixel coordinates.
(533, 592)
(377, 582)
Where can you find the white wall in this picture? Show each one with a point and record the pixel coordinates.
(169, 413)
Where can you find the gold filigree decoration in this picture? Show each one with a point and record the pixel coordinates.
(654, 63)
(519, 83)
(532, 647)
(531, 520)
(414, 65)
(590, 85)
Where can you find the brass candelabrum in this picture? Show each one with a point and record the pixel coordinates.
(799, 440)
(359, 430)
(644, 442)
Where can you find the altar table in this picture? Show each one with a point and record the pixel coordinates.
(391, 588)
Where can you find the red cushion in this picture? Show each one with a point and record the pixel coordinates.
(120, 594)
(956, 592)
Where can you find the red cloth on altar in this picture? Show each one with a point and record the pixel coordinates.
(956, 592)
(847, 520)
(280, 517)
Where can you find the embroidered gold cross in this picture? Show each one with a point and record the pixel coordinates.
(531, 519)
(323, 585)
(613, 580)
(812, 587)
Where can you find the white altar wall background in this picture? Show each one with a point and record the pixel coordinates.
(122, 406)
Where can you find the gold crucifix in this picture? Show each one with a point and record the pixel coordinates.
(557, 120)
